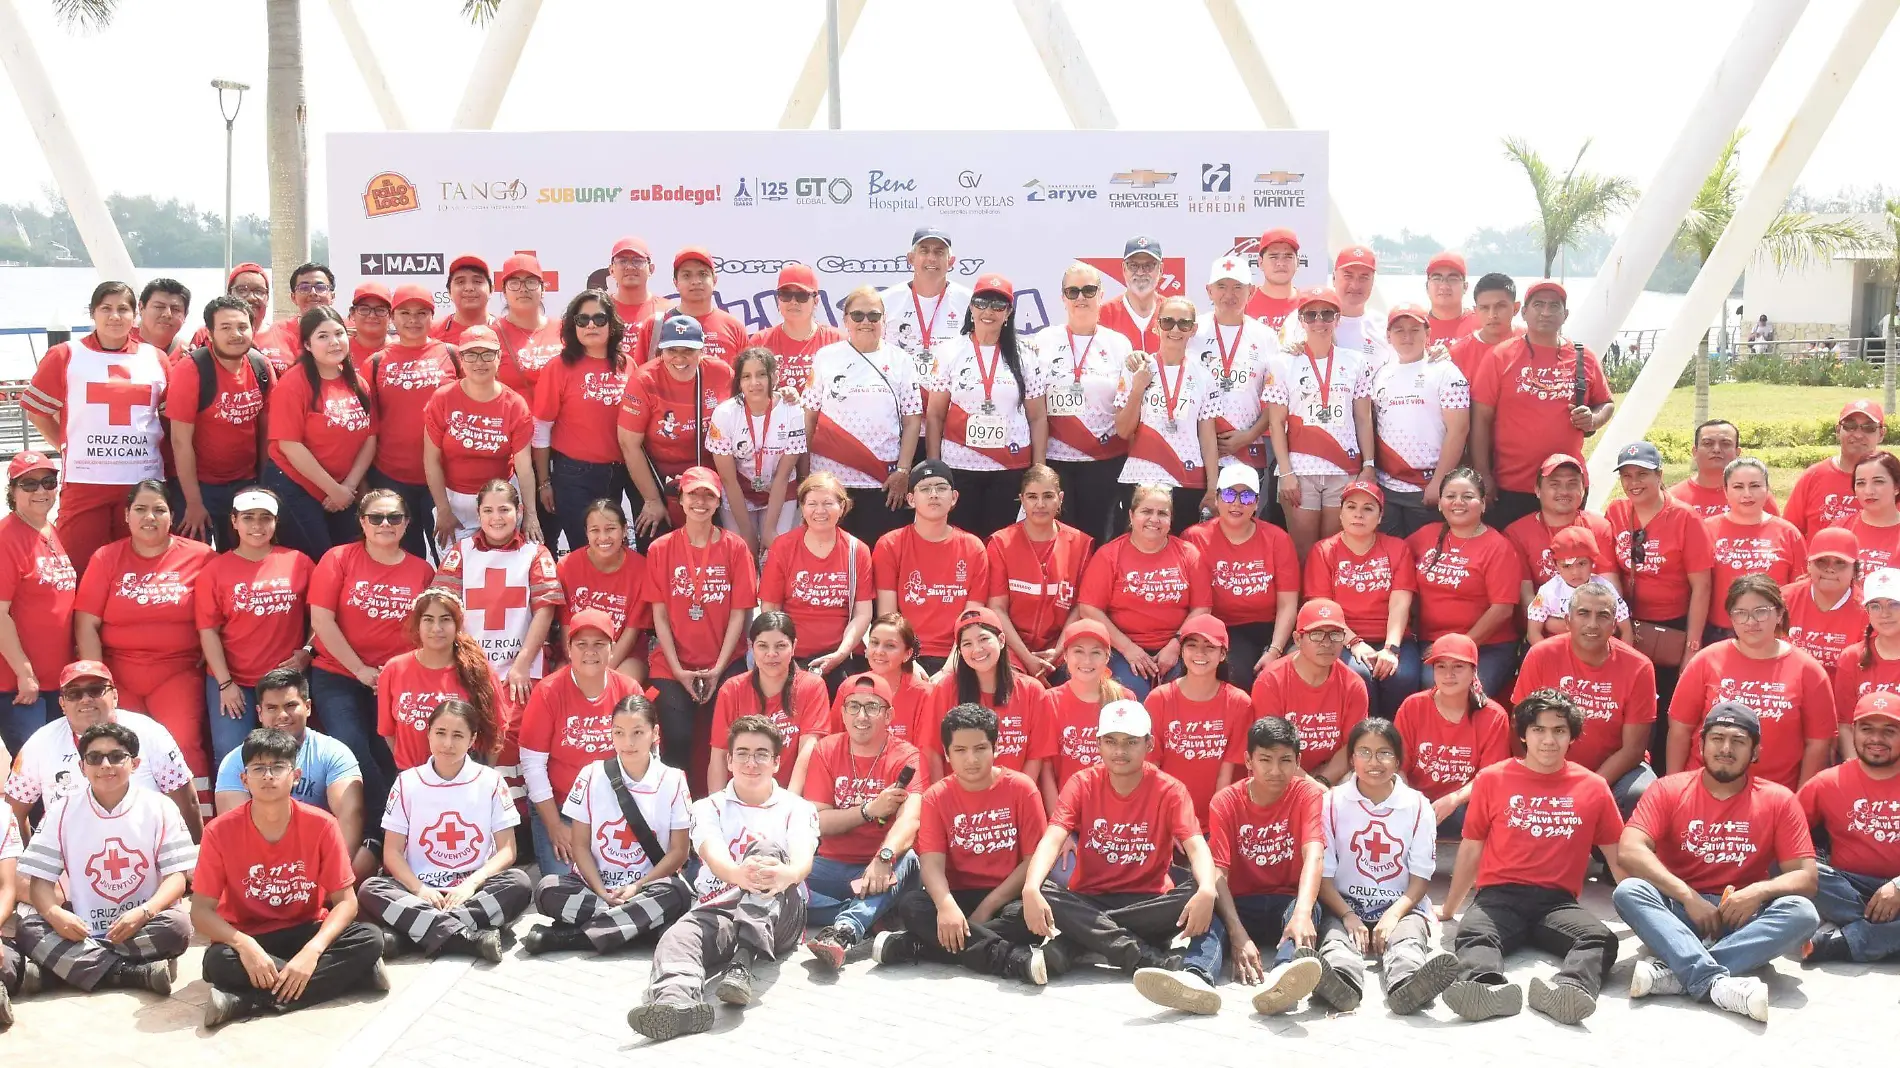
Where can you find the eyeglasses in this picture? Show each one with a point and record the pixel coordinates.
(369, 310)
(751, 756)
(632, 263)
(1165, 323)
(1444, 279)
(114, 757)
(480, 355)
(1326, 637)
(249, 291)
(864, 316)
(1321, 315)
(1754, 615)
(1639, 545)
(34, 485)
(794, 296)
(1383, 756)
(1237, 495)
(989, 303)
(591, 319)
(1080, 292)
(314, 288)
(81, 693)
(522, 285)
(385, 519)
(863, 708)
(268, 771)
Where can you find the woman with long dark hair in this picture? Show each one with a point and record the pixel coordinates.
(322, 429)
(1469, 579)
(1201, 719)
(986, 425)
(444, 661)
(891, 649)
(1452, 731)
(576, 408)
(1025, 718)
(1876, 528)
(755, 441)
(794, 699)
(511, 582)
(610, 575)
(404, 376)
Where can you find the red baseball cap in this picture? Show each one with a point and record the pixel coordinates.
(1207, 626)
(1365, 486)
(1457, 647)
(1279, 235)
(411, 293)
(1356, 256)
(698, 478)
(691, 253)
(1321, 612)
(1878, 704)
(981, 615)
(1316, 295)
(520, 263)
(373, 290)
(1834, 541)
(1572, 542)
(593, 619)
(1447, 259)
(84, 669)
(866, 680)
(231, 279)
(630, 244)
(1870, 409)
(479, 336)
(28, 462)
(994, 283)
(1562, 459)
(798, 276)
(470, 262)
(1408, 311)
(1081, 628)
(1539, 287)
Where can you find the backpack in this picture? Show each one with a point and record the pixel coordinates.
(208, 376)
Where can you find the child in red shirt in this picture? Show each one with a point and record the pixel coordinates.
(1200, 720)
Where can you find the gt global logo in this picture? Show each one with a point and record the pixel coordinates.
(1217, 178)
(1142, 178)
(398, 263)
(820, 190)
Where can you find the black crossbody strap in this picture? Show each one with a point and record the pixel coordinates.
(634, 817)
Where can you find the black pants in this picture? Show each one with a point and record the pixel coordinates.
(342, 968)
(870, 517)
(1245, 643)
(986, 501)
(579, 483)
(986, 948)
(420, 504)
(686, 726)
(1503, 919)
(1511, 506)
(1405, 514)
(1186, 502)
(1091, 494)
(1126, 929)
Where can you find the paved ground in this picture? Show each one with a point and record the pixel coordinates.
(570, 1009)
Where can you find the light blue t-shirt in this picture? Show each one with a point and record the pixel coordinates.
(322, 759)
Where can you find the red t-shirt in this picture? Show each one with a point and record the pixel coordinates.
(1531, 387)
(280, 342)
(1362, 584)
(1125, 844)
(478, 439)
(583, 403)
(263, 886)
(1711, 502)
(1025, 726)
(794, 356)
(1147, 595)
(1713, 843)
(1822, 497)
(982, 834)
(404, 380)
(1470, 353)
(1459, 578)
(934, 581)
(1538, 828)
(1678, 545)
(1449, 330)
(1440, 756)
(406, 693)
(1117, 317)
(1861, 815)
(668, 413)
(1532, 539)
(334, 432)
(526, 353)
(1877, 547)
(837, 778)
(1192, 739)
(146, 606)
(1789, 692)
(371, 601)
(450, 329)
(257, 608)
(1851, 681)
(621, 594)
(224, 435)
(1773, 548)
(1075, 721)
(38, 583)
(571, 729)
(816, 591)
(1040, 578)
(1250, 577)
(715, 581)
(1273, 309)
(808, 717)
(725, 334)
(1822, 632)
(1261, 847)
(1620, 692)
(634, 316)
(1324, 714)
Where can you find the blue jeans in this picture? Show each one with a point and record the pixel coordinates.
(1842, 900)
(1631, 787)
(1264, 917)
(544, 846)
(1780, 927)
(346, 710)
(420, 504)
(227, 733)
(579, 483)
(18, 722)
(302, 522)
(1137, 686)
(217, 497)
(1452, 827)
(1497, 663)
(1384, 695)
(831, 902)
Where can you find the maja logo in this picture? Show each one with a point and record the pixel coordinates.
(389, 193)
(387, 263)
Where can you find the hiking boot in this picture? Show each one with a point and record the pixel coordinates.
(153, 976)
(224, 1006)
(1473, 1000)
(1333, 987)
(486, 945)
(894, 947)
(1743, 995)
(1177, 989)
(1417, 990)
(550, 938)
(1563, 1002)
(394, 945)
(1828, 944)
(735, 984)
(661, 1020)
(1287, 984)
(1653, 977)
(830, 944)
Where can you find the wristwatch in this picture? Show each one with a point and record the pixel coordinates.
(887, 855)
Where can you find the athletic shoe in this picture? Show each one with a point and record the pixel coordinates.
(894, 947)
(830, 944)
(1828, 944)
(1417, 990)
(660, 1020)
(486, 945)
(549, 938)
(1565, 1003)
(1333, 988)
(1287, 985)
(152, 976)
(1181, 990)
(1473, 1000)
(378, 977)
(1743, 995)
(1057, 957)
(735, 984)
(1653, 977)
(223, 1007)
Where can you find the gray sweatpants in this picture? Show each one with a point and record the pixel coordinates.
(501, 898)
(1405, 950)
(566, 899)
(88, 963)
(702, 941)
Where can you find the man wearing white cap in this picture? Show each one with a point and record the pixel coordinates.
(1122, 900)
(930, 307)
(1421, 414)
(1238, 351)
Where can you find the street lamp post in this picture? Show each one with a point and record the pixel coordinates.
(230, 121)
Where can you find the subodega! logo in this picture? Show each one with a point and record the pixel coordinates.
(578, 194)
(675, 194)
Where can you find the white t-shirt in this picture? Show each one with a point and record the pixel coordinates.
(1252, 347)
(786, 821)
(1067, 395)
(449, 824)
(1363, 334)
(10, 835)
(1553, 599)
(957, 368)
(1191, 387)
(864, 395)
(1409, 401)
(112, 860)
(1373, 850)
(1313, 413)
(663, 800)
(917, 325)
(48, 767)
(782, 433)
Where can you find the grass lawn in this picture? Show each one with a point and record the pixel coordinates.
(1759, 402)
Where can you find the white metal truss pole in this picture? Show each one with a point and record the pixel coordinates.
(495, 65)
(802, 106)
(1067, 64)
(368, 65)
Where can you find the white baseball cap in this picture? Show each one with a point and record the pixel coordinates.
(1234, 266)
(1239, 475)
(1124, 717)
(1881, 585)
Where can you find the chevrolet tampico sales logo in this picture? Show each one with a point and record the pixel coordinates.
(1142, 178)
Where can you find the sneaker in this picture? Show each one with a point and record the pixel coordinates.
(1057, 957)
(1287, 985)
(1473, 1000)
(1333, 987)
(486, 945)
(660, 1020)
(1030, 964)
(1566, 1003)
(1148, 958)
(1181, 990)
(223, 1007)
(1417, 990)
(153, 976)
(549, 938)
(1653, 977)
(1743, 995)
(830, 944)
(1828, 944)
(894, 947)
(735, 986)
(378, 977)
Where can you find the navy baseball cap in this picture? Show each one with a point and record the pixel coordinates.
(1732, 714)
(681, 332)
(1639, 454)
(932, 469)
(1142, 245)
(929, 233)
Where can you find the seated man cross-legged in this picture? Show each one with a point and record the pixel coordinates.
(1857, 804)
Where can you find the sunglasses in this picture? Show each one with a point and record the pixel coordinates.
(1323, 315)
(1166, 323)
(794, 296)
(81, 693)
(1080, 292)
(868, 316)
(989, 303)
(32, 485)
(591, 319)
(385, 519)
(1639, 546)
(1238, 495)
(114, 757)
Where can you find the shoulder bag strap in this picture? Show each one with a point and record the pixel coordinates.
(634, 817)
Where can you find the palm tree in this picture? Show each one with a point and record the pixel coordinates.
(1892, 217)
(1793, 238)
(1570, 207)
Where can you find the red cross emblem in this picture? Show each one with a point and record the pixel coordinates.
(495, 598)
(1227, 264)
(451, 841)
(619, 844)
(1372, 846)
(116, 870)
(119, 394)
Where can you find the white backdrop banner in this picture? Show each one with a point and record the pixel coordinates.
(845, 202)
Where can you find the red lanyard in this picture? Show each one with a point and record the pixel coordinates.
(1168, 398)
(1077, 359)
(1227, 356)
(989, 376)
(758, 436)
(923, 327)
(1325, 380)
